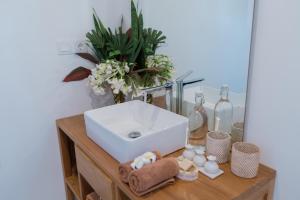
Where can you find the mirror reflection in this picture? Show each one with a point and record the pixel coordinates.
(210, 40)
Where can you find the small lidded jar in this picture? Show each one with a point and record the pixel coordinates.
(189, 152)
(211, 166)
(199, 159)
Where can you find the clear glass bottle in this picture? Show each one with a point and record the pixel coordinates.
(223, 113)
(198, 126)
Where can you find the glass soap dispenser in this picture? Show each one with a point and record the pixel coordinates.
(223, 113)
(198, 126)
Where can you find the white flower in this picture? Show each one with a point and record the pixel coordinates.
(126, 68)
(112, 73)
(98, 90)
(94, 70)
(108, 72)
(108, 68)
(101, 68)
(116, 85)
(126, 89)
(157, 82)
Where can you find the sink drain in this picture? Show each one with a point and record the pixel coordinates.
(134, 134)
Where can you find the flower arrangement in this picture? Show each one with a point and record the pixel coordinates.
(111, 74)
(125, 61)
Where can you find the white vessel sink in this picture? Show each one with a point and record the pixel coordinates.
(160, 129)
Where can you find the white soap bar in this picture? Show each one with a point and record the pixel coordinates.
(185, 164)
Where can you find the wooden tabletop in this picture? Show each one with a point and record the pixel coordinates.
(227, 186)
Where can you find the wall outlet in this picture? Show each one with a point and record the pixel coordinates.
(80, 47)
(64, 47)
(68, 46)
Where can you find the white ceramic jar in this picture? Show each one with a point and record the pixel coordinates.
(199, 159)
(189, 152)
(211, 166)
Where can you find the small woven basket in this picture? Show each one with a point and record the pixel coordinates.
(218, 144)
(245, 159)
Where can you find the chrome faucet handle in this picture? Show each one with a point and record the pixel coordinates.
(180, 91)
(168, 86)
(183, 76)
(193, 81)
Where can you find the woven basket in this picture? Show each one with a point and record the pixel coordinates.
(218, 144)
(245, 159)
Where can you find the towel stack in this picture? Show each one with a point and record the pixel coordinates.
(151, 176)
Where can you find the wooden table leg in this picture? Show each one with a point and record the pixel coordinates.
(269, 195)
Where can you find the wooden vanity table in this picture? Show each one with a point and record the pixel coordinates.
(88, 168)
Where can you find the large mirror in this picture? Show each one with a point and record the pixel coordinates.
(212, 38)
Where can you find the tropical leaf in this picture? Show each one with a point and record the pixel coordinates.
(120, 46)
(88, 57)
(98, 38)
(136, 52)
(136, 37)
(153, 38)
(134, 25)
(77, 74)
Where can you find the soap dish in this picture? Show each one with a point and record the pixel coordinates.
(190, 174)
(211, 176)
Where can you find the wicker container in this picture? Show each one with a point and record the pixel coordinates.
(245, 159)
(218, 144)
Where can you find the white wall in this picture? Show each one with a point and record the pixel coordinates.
(211, 37)
(273, 98)
(32, 92)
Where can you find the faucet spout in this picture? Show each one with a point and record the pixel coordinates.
(180, 83)
(168, 86)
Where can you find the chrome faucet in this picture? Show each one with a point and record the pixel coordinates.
(168, 86)
(180, 83)
(180, 89)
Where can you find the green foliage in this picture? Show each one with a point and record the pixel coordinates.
(133, 46)
(153, 39)
(119, 45)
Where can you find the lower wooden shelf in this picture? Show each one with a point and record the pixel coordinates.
(73, 183)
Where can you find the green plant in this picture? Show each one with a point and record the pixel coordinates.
(135, 47)
(153, 39)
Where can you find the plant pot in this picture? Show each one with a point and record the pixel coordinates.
(99, 101)
(121, 98)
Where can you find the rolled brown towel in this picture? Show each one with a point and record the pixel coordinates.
(125, 169)
(153, 176)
